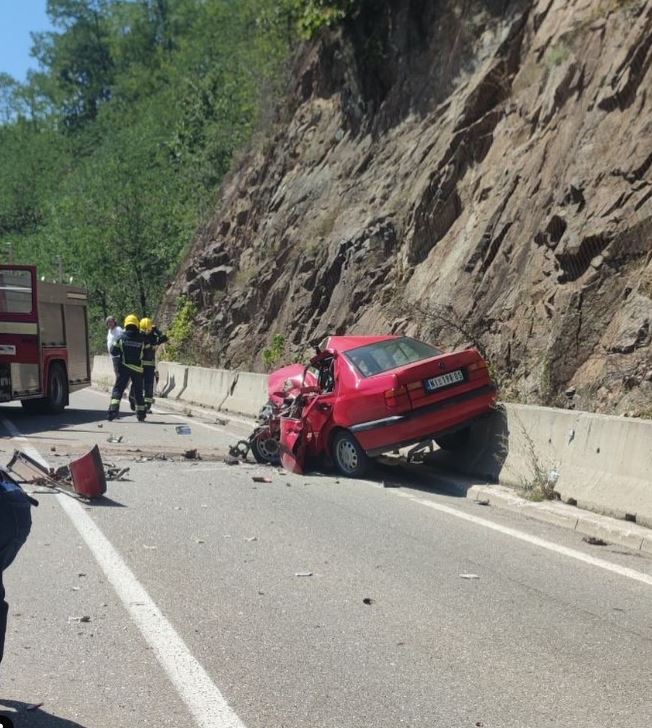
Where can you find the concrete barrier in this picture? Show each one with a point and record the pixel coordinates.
(248, 395)
(208, 387)
(598, 462)
(102, 374)
(173, 380)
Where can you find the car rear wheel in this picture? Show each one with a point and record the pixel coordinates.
(454, 441)
(350, 459)
(266, 450)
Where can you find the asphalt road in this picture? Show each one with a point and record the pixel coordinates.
(183, 598)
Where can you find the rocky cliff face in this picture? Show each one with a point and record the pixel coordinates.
(473, 170)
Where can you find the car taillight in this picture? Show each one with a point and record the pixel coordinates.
(396, 397)
(476, 366)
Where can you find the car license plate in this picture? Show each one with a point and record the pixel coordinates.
(443, 380)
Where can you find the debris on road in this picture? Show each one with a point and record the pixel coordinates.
(34, 706)
(114, 438)
(240, 450)
(220, 421)
(84, 619)
(100, 424)
(183, 430)
(113, 472)
(469, 576)
(149, 548)
(191, 454)
(53, 448)
(231, 460)
(84, 476)
(261, 478)
(303, 573)
(199, 540)
(251, 538)
(481, 501)
(368, 600)
(594, 541)
(389, 484)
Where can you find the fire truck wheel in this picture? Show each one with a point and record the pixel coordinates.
(57, 395)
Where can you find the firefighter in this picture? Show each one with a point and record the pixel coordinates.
(153, 338)
(130, 349)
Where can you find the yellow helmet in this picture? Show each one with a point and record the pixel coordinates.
(131, 320)
(146, 325)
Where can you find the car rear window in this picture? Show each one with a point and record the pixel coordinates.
(390, 354)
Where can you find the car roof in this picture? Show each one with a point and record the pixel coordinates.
(341, 344)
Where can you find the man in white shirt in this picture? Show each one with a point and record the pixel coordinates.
(113, 334)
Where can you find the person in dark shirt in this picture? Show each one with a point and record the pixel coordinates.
(130, 348)
(153, 338)
(15, 525)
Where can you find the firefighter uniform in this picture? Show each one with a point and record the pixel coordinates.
(152, 338)
(129, 348)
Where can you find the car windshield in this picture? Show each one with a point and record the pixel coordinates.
(390, 354)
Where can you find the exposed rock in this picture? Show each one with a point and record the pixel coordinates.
(480, 176)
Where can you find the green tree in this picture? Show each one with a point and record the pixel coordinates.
(78, 58)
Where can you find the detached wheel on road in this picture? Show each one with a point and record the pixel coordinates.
(57, 392)
(266, 450)
(349, 458)
(455, 441)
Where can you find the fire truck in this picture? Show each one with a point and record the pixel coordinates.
(43, 340)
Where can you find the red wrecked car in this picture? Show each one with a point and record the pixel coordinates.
(365, 395)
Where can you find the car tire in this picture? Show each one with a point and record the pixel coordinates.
(266, 450)
(57, 393)
(349, 458)
(455, 440)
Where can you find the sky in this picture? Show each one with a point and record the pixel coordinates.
(17, 19)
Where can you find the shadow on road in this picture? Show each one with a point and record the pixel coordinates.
(30, 424)
(39, 718)
(420, 476)
(104, 502)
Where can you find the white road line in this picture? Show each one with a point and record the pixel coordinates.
(196, 689)
(534, 540)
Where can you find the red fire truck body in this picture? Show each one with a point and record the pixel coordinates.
(43, 340)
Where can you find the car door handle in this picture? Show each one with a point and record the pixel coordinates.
(324, 407)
